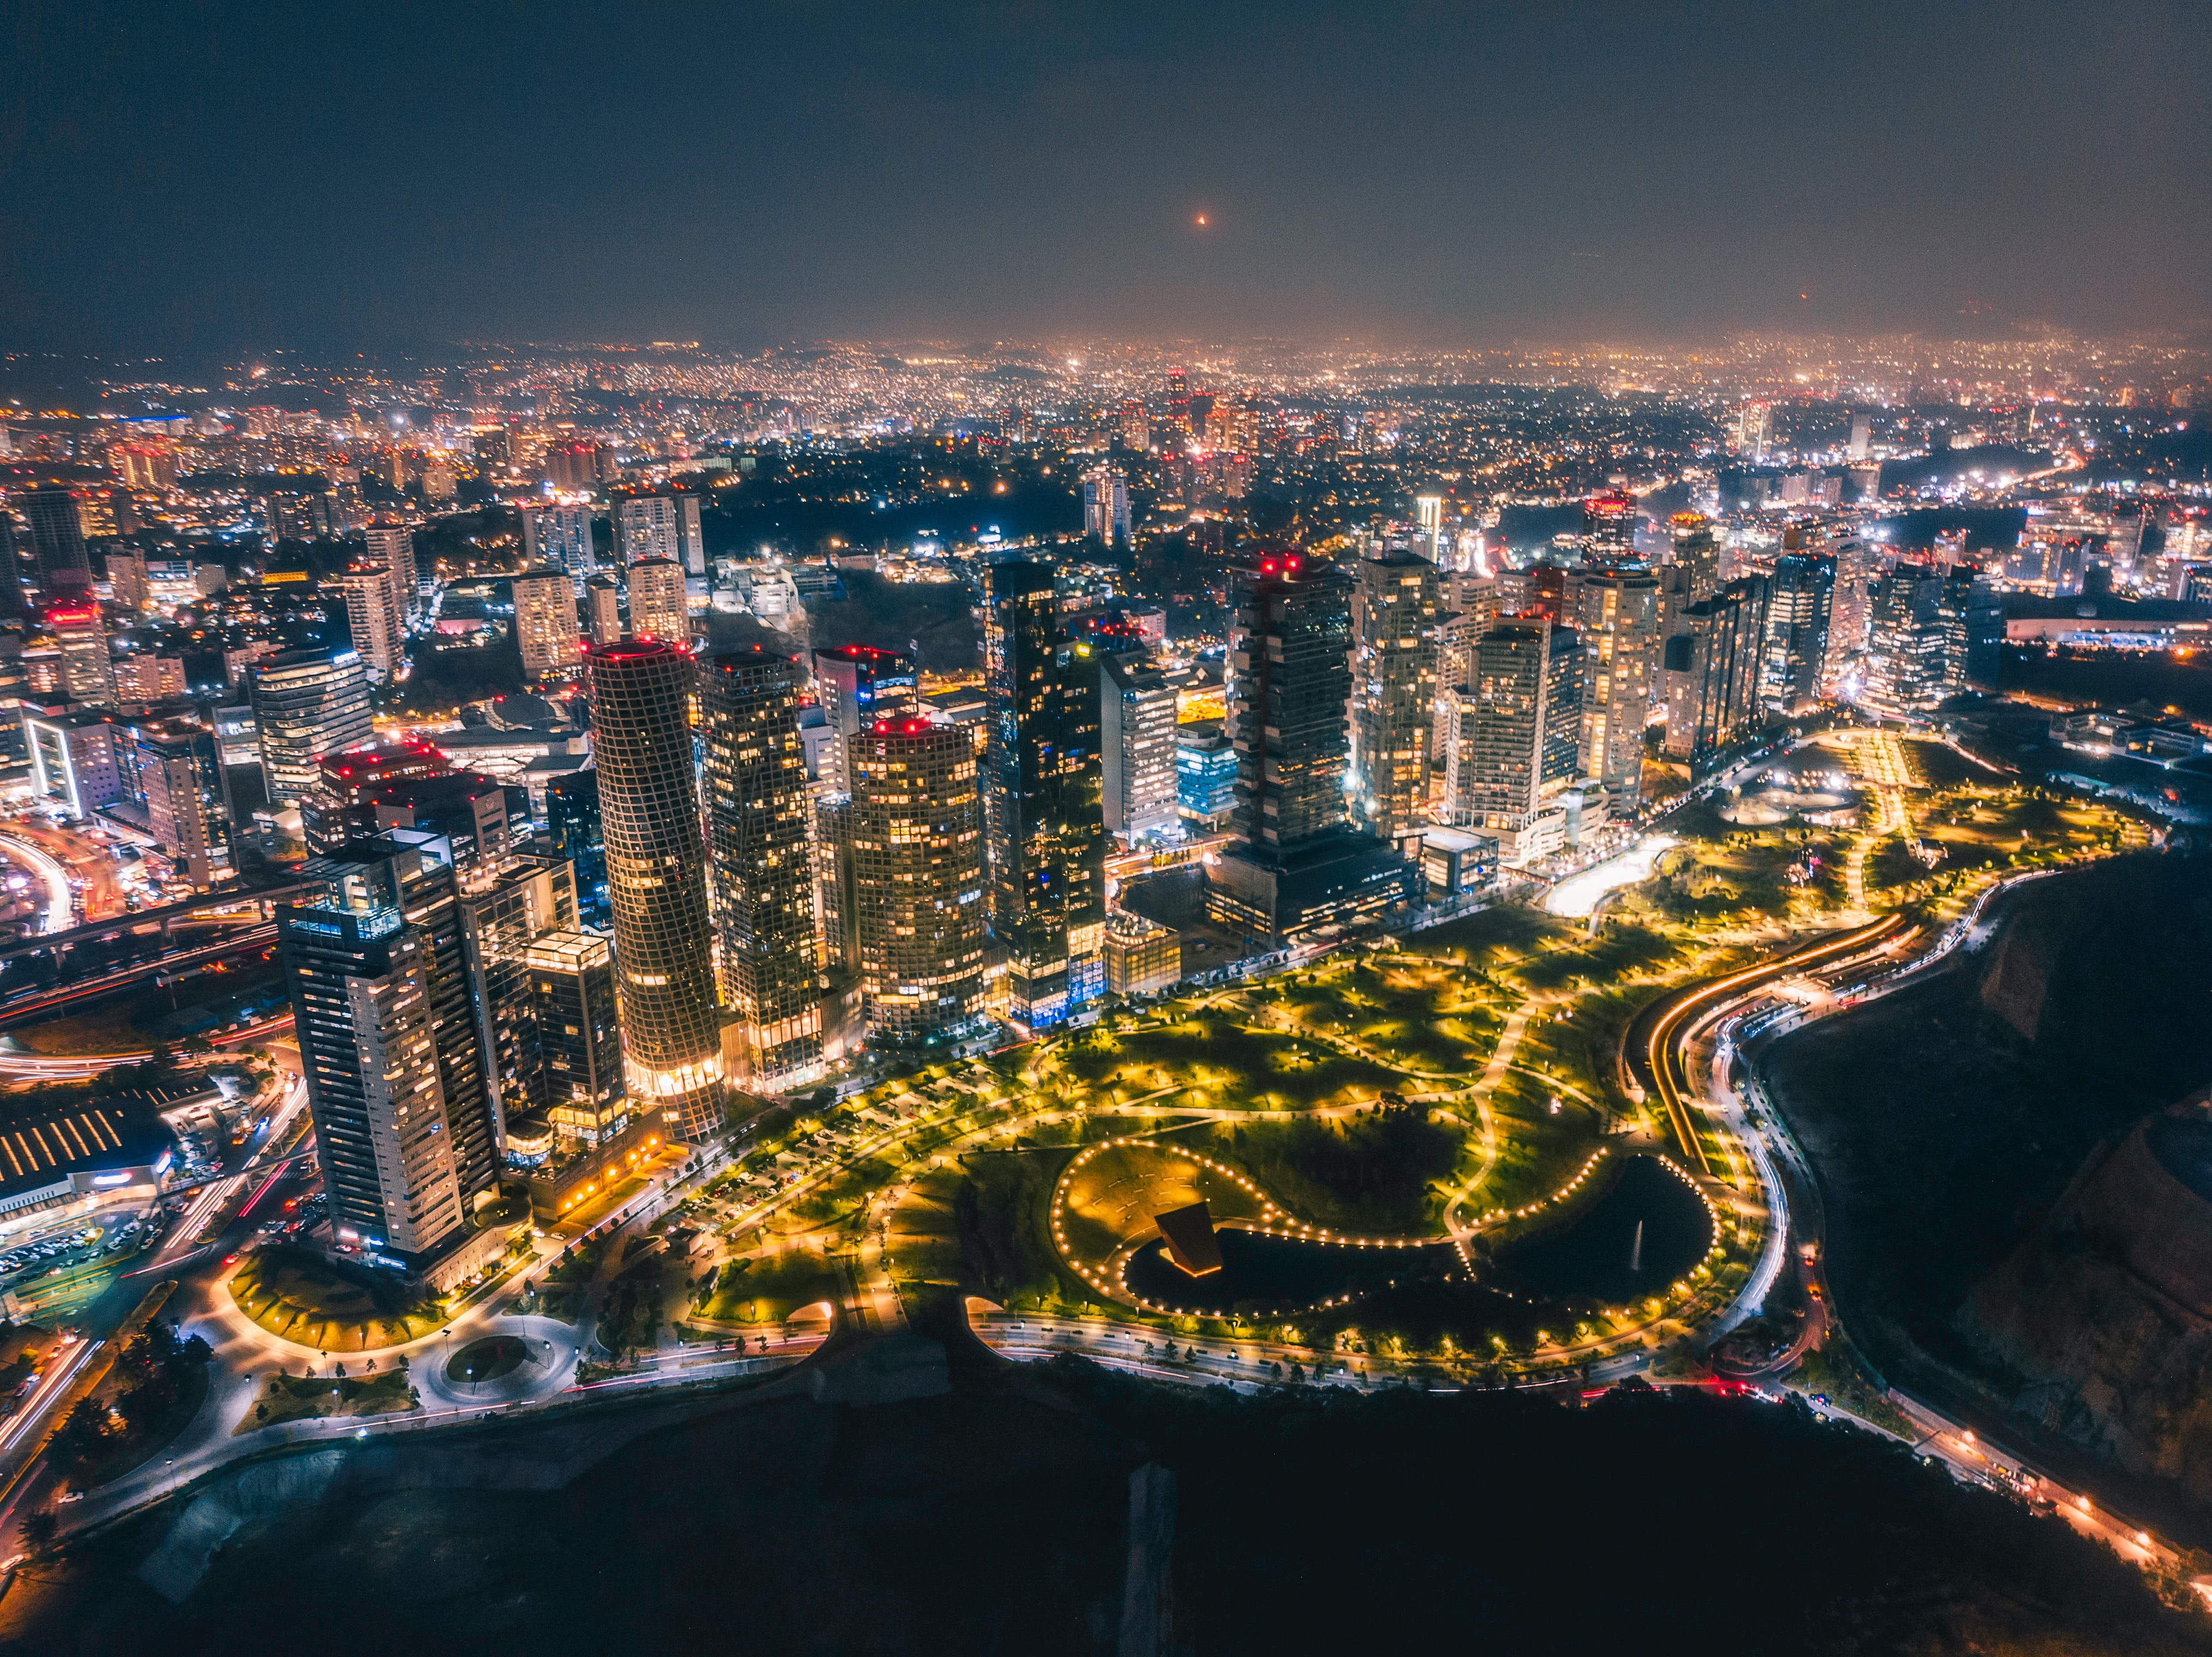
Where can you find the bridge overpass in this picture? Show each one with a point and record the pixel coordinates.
(162, 919)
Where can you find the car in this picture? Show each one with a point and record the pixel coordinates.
(230, 1259)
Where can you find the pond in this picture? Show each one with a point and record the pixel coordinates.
(1603, 1256)
(1264, 1274)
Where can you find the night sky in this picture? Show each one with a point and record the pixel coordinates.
(204, 176)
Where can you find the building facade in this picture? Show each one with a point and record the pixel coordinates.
(1395, 604)
(307, 703)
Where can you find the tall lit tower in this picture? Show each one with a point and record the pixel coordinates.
(1042, 794)
(57, 539)
(656, 606)
(656, 882)
(758, 811)
(1617, 614)
(914, 832)
(1609, 527)
(88, 669)
(1393, 688)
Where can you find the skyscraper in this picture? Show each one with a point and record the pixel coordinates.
(1135, 428)
(307, 703)
(1106, 505)
(1609, 527)
(545, 622)
(579, 1035)
(657, 606)
(384, 1004)
(1906, 654)
(572, 822)
(858, 684)
(1800, 593)
(1520, 726)
(504, 903)
(1710, 674)
(179, 778)
(1137, 746)
(1698, 552)
(1616, 612)
(370, 618)
(603, 605)
(1041, 789)
(392, 546)
(759, 821)
(57, 540)
(1394, 604)
(88, 669)
(656, 882)
(561, 536)
(661, 527)
(913, 828)
(1299, 865)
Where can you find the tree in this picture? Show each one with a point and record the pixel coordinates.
(85, 1428)
(39, 1529)
(197, 1352)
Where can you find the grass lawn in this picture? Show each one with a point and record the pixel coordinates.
(1113, 1198)
(319, 1303)
(131, 1450)
(768, 1288)
(1384, 1172)
(317, 1397)
(1212, 1060)
(487, 1360)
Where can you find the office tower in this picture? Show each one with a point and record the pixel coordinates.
(561, 535)
(603, 605)
(1861, 430)
(481, 821)
(1972, 620)
(1608, 527)
(1710, 674)
(1136, 427)
(504, 903)
(1617, 618)
(1396, 599)
(1205, 775)
(375, 625)
(57, 540)
(1297, 864)
(571, 989)
(914, 830)
(339, 805)
(88, 670)
(1136, 747)
(179, 778)
(1042, 778)
(858, 684)
(1697, 551)
(1106, 506)
(1905, 656)
(149, 679)
(1178, 388)
(759, 825)
(690, 538)
(392, 546)
(656, 882)
(1801, 592)
(1520, 726)
(572, 823)
(307, 704)
(382, 1001)
(1754, 426)
(74, 758)
(546, 624)
(657, 606)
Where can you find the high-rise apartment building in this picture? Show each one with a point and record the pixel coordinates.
(1616, 612)
(1710, 674)
(1520, 725)
(1299, 864)
(1106, 505)
(603, 609)
(57, 540)
(383, 998)
(656, 861)
(1042, 777)
(546, 624)
(392, 546)
(1395, 602)
(307, 703)
(1801, 593)
(88, 668)
(127, 580)
(1858, 566)
(858, 684)
(1137, 746)
(506, 902)
(1696, 550)
(561, 536)
(759, 818)
(1135, 427)
(1906, 648)
(378, 631)
(179, 778)
(657, 605)
(661, 527)
(913, 831)
(572, 822)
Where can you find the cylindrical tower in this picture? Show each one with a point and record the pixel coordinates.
(656, 883)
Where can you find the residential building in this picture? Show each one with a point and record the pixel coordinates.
(179, 779)
(392, 546)
(1106, 505)
(858, 684)
(759, 819)
(657, 608)
(1710, 674)
(603, 609)
(87, 666)
(379, 632)
(572, 986)
(1520, 726)
(1042, 779)
(1801, 593)
(1395, 602)
(561, 536)
(307, 704)
(1616, 616)
(656, 861)
(546, 624)
(1137, 743)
